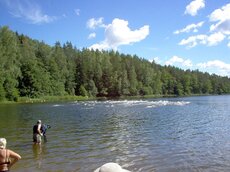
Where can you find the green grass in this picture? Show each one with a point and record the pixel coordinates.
(82, 98)
(51, 99)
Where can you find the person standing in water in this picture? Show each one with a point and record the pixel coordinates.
(44, 128)
(7, 157)
(37, 133)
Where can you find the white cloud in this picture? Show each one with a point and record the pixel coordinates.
(189, 28)
(77, 12)
(187, 63)
(215, 66)
(194, 6)
(192, 41)
(215, 38)
(92, 35)
(118, 33)
(220, 14)
(222, 67)
(157, 60)
(176, 59)
(219, 30)
(222, 17)
(28, 10)
(100, 46)
(94, 23)
(209, 40)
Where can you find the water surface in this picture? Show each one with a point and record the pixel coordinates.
(162, 135)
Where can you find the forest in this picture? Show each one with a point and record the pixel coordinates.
(32, 68)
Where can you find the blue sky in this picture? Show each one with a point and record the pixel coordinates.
(189, 34)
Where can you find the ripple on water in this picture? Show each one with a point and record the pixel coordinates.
(181, 134)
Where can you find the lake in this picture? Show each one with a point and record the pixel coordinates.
(161, 135)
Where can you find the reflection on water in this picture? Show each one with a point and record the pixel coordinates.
(38, 153)
(176, 134)
(39, 156)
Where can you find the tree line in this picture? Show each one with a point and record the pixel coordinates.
(31, 68)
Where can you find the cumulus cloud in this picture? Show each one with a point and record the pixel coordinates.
(215, 38)
(28, 10)
(219, 30)
(194, 6)
(118, 33)
(94, 23)
(156, 60)
(220, 14)
(190, 28)
(222, 18)
(215, 66)
(209, 40)
(100, 46)
(92, 35)
(176, 59)
(192, 41)
(222, 67)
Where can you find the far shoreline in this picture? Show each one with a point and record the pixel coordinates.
(50, 99)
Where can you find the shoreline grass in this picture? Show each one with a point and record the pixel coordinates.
(47, 99)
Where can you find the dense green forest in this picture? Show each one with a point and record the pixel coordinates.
(31, 68)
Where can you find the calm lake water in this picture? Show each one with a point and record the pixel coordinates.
(161, 135)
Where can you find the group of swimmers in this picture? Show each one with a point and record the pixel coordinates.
(8, 157)
(39, 131)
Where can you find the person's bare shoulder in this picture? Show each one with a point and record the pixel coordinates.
(14, 154)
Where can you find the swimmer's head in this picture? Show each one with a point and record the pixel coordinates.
(2, 143)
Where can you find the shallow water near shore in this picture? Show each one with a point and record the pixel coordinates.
(162, 135)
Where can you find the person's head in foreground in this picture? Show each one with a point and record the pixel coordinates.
(2, 143)
(111, 167)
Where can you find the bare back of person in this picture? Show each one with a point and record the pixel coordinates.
(4, 160)
(7, 157)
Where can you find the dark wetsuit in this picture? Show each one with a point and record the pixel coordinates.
(36, 135)
(35, 131)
